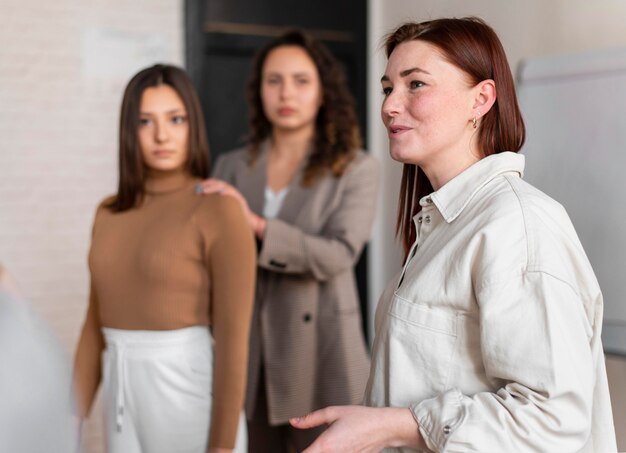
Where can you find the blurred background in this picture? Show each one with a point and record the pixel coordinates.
(64, 64)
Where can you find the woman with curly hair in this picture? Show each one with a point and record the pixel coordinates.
(309, 193)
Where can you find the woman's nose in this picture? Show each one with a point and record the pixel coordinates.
(161, 132)
(286, 89)
(392, 105)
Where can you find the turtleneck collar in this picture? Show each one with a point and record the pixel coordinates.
(162, 182)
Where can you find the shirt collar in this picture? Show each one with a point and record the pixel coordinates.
(456, 194)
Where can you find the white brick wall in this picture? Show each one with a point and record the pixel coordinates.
(63, 67)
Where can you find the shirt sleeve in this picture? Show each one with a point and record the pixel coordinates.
(535, 344)
(288, 249)
(87, 372)
(87, 364)
(231, 259)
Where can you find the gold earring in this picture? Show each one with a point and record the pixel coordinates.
(475, 119)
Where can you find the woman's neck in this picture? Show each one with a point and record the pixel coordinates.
(445, 167)
(165, 181)
(292, 145)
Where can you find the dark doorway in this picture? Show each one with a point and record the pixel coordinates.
(223, 35)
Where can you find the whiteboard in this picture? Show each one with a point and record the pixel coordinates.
(575, 112)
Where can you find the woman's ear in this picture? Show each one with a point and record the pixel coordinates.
(485, 97)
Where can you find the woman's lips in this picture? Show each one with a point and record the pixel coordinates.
(286, 111)
(163, 153)
(397, 130)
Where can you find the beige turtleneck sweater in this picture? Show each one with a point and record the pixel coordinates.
(177, 260)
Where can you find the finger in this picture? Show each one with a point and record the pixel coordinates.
(313, 419)
(211, 187)
(208, 183)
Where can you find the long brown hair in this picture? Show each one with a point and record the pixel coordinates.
(131, 167)
(337, 136)
(473, 47)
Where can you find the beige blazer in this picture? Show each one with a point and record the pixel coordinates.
(306, 332)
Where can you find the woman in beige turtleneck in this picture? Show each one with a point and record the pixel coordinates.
(172, 278)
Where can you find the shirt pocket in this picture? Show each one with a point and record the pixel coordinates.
(421, 346)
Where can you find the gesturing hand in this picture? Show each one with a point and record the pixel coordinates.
(361, 429)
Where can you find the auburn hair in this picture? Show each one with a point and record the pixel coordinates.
(473, 47)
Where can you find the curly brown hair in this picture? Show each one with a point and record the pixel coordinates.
(337, 135)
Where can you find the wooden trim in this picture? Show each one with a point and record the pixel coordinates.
(234, 28)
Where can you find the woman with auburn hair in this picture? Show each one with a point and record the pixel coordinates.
(310, 195)
(172, 283)
(489, 338)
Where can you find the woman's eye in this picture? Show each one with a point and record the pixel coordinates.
(302, 81)
(144, 121)
(386, 91)
(273, 81)
(179, 119)
(416, 84)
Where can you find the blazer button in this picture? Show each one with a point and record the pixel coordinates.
(447, 430)
(307, 317)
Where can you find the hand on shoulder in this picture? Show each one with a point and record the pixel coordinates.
(221, 187)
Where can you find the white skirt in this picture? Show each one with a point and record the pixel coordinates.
(158, 391)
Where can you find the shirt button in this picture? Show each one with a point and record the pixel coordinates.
(427, 219)
(419, 220)
(428, 200)
(447, 430)
(307, 317)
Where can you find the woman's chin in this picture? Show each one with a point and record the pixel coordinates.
(400, 156)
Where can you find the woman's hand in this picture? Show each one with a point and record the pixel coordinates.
(214, 185)
(361, 429)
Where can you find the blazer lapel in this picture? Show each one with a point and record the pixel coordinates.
(252, 185)
(296, 197)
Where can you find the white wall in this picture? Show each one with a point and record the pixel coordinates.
(63, 67)
(526, 29)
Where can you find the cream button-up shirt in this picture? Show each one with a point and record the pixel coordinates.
(491, 332)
